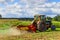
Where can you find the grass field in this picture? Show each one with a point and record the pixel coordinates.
(48, 35)
(5, 23)
(52, 35)
(56, 23)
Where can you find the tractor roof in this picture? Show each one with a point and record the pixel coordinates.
(38, 15)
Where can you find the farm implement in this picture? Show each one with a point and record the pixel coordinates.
(39, 23)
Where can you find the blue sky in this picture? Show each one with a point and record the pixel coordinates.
(28, 8)
(54, 0)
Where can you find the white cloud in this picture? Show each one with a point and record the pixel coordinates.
(51, 16)
(16, 8)
(56, 10)
(28, 8)
(12, 0)
(2, 0)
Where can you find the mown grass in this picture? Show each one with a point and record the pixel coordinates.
(36, 36)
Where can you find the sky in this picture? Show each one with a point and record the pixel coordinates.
(28, 8)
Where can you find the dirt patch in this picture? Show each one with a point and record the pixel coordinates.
(15, 31)
(12, 33)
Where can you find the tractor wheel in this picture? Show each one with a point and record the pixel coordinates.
(42, 27)
(53, 27)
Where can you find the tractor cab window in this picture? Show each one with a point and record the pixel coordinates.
(48, 22)
(42, 17)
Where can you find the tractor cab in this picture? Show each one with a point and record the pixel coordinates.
(40, 20)
(42, 23)
(40, 17)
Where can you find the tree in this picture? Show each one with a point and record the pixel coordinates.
(0, 16)
(56, 18)
(48, 18)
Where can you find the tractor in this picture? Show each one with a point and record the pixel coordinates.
(39, 23)
(42, 24)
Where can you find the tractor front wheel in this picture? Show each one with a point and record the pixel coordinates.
(53, 27)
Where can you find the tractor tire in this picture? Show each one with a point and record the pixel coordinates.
(42, 27)
(53, 27)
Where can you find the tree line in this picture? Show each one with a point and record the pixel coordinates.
(56, 18)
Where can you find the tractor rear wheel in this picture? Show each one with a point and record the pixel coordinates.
(42, 27)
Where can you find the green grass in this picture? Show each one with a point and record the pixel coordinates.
(48, 35)
(5, 24)
(25, 23)
(8, 23)
(56, 23)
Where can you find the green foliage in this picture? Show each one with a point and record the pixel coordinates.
(0, 16)
(56, 18)
(48, 18)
